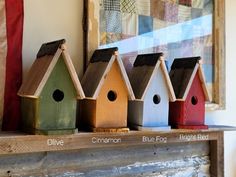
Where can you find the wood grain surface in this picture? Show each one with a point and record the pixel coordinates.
(146, 153)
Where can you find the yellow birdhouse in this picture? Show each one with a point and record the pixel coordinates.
(107, 90)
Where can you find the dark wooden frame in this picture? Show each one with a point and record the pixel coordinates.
(218, 100)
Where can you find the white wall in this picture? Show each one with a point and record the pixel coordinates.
(47, 20)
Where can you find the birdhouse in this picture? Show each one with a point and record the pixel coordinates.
(153, 90)
(49, 93)
(188, 111)
(107, 90)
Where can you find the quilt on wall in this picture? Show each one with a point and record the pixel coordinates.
(178, 28)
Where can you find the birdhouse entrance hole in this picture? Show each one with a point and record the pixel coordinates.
(156, 99)
(58, 95)
(111, 95)
(194, 100)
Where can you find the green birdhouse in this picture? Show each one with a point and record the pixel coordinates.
(49, 93)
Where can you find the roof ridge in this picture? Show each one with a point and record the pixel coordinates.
(103, 55)
(50, 48)
(149, 59)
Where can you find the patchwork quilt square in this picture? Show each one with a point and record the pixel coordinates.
(198, 4)
(129, 24)
(174, 1)
(158, 9)
(111, 5)
(171, 12)
(196, 13)
(184, 13)
(143, 7)
(113, 21)
(186, 2)
(128, 6)
(159, 24)
(112, 37)
(145, 24)
(127, 36)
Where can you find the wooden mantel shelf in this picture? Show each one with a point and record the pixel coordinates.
(15, 143)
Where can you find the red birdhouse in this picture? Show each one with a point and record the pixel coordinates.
(188, 111)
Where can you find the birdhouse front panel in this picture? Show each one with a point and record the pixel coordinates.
(112, 101)
(57, 107)
(156, 102)
(195, 104)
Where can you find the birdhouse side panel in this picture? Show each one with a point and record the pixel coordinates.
(195, 104)
(58, 100)
(135, 112)
(112, 101)
(87, 116)
(156, 102)
(29, 113)
(176, 113)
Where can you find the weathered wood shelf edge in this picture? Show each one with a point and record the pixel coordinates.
(16, 143)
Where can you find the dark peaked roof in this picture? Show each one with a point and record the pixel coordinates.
(42, 67)
(94, 73)
(103, 55)
(142, 73)
(183, 71)
(147, 59)
(50, 48)
(186, 63)
(100, 64)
